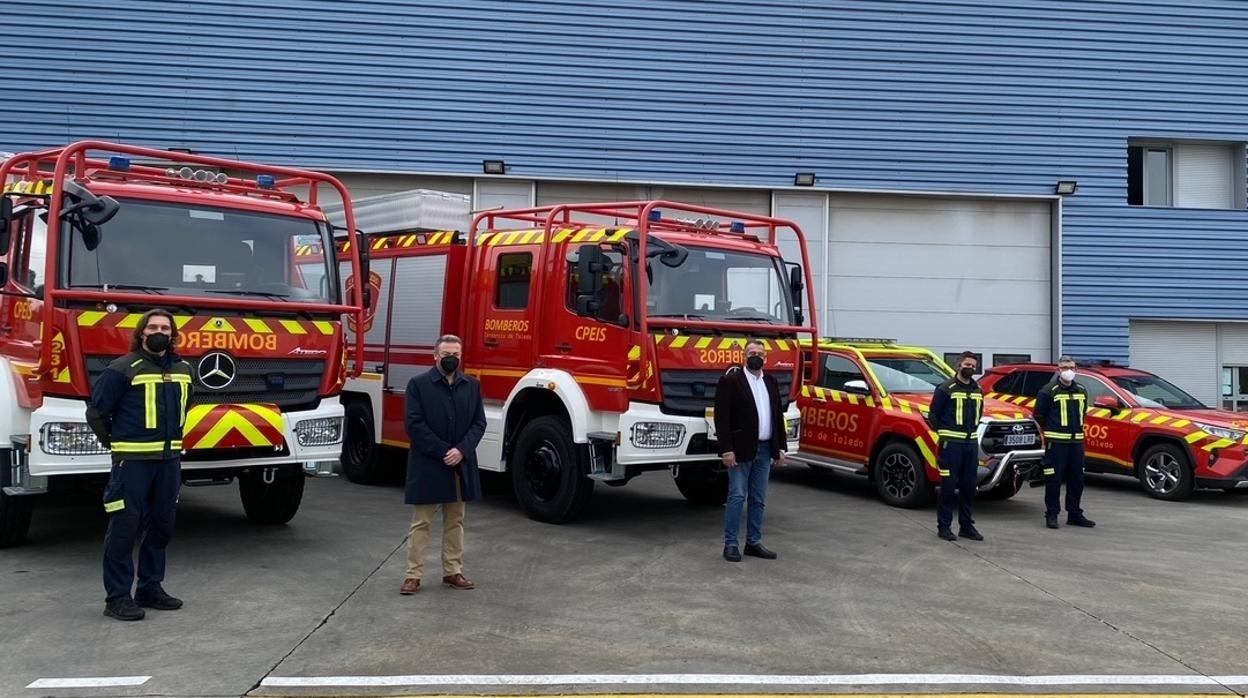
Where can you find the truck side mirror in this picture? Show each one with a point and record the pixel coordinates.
(591, 265)
(6, 223)
(96, 210)
(797, 284)
(1108, 402)
(858, 387)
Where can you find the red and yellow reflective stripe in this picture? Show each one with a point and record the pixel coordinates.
(209, 323)
(234, 426)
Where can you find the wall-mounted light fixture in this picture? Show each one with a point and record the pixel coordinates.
(495, 167)
(1066, 187)
(804, 179)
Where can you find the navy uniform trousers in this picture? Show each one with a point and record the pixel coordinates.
(960, 459)
(140, 500)
(1066, 462)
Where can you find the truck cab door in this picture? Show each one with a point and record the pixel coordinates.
(500, 348)
(589, 335)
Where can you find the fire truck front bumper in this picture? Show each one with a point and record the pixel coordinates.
(650, 437)
(61, 443)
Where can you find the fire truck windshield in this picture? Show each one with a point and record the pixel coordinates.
(715, 284)
(907, 375)
(181, 249)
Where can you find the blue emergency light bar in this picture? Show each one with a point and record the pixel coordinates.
(266, 181)
(119, 163)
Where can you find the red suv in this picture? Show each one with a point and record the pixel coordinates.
(1141, 425)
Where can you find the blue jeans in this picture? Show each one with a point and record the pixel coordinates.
(748, 479)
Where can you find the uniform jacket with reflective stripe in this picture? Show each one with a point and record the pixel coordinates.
(1060, 409)
(955, 410)
(138, 405)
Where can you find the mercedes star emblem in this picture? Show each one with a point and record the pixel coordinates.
(216, 370)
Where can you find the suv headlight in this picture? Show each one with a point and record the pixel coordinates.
(657, 434)
(69, 439)
(1222, 432)
(323, 431)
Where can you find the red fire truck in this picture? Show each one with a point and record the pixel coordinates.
(588, 375)
(94, 234)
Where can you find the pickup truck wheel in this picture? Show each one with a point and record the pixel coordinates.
(273, 503)
(548, 471)
(1165, 473)
(360, 453)
(702, 486)
(15, 512)
(900, 477)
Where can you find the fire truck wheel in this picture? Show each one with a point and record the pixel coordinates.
(548, 471)
(273, 503)
(702, 486)
(14, 511)
(900, 477)
(1165, 473)
(359, 447)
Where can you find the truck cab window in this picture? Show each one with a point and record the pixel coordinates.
(515, 275)
(837, 371)
(612, 301)
(30, 241)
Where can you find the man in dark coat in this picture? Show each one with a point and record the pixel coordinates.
(445, 422)
(749, 425)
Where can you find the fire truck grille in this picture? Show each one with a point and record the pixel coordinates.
(291, 384)
(996, 433)
(691, 392)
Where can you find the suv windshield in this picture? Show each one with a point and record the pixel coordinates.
(908, 374)
(720, 285)
(1152, 391)
(200, 251)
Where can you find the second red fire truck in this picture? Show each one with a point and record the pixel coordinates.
(598, 331)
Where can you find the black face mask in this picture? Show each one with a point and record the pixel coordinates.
(754, 363)
(157, 343)
(449, 364)
(966, 372)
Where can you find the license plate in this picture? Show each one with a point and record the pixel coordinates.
(1020, 439)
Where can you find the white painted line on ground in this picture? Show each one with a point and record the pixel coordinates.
(90, 682)
(759, 680)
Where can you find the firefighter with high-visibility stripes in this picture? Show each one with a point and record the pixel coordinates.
(957, 405)
(137, 410)
(1060, 407)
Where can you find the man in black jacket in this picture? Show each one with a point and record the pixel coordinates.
(445, 422)
(137, 409)
(749, 425)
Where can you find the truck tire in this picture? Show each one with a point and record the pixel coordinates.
(702, 485)
(271, 504)
(361, 461)
(901, 477)
(15, 512)
(1165, 472)
(548, 471)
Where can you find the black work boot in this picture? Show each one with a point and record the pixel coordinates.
(970, 532)
(157, 598)
(123, 609)
(1080, 520)
(1050, 521)
(946, 533)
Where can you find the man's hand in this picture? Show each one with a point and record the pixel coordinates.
(453, 457)
(781, 459)
(730, 459)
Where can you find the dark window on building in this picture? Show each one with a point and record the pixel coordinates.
(1149, 179)
(1007, 359)
(515, 274)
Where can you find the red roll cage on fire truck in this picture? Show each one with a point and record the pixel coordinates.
(588, 375)
(92, 235)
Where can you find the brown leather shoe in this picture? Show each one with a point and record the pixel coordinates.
(458, 581)
(410, 586)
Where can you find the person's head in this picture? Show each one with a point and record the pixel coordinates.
(968, 363)
(155, 322)
(1066, 368)
(755, 355)
(448, 352)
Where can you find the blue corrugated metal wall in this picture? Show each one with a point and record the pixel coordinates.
(1003, 96)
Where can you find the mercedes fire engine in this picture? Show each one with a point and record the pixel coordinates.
(93, 235)
(598, 331)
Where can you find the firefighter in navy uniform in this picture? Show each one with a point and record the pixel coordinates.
(957, 405)
(1060, 407)
(137, 409)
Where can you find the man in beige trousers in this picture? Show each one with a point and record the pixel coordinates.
(445, 422)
